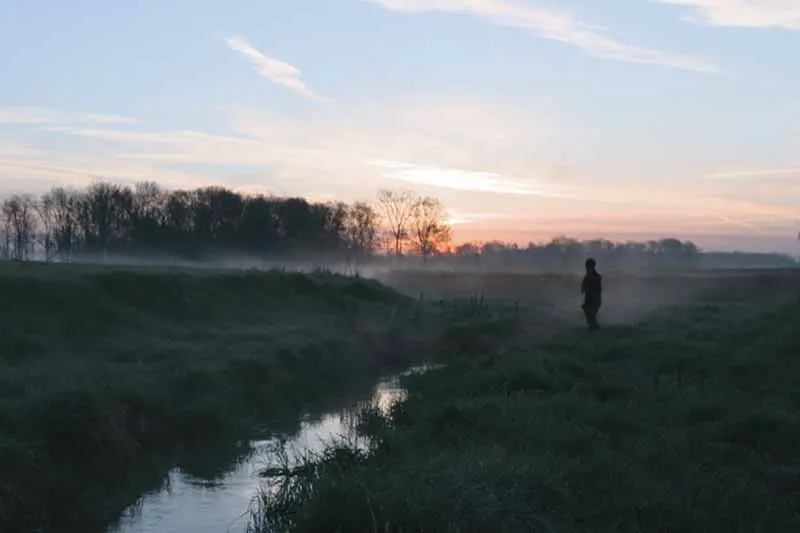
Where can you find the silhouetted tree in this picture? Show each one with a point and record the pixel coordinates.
(361, 229)
(148, 215)
(467, 249)
(259, 226)
(398, 211)
(45, 209)
(334, 226)
(66, 227)
(179, 220)
(430, 227)
(19, 225)
(103, 215)
(108, 217)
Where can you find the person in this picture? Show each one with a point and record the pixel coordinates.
(592, 290)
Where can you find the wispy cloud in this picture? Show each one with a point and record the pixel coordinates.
(98, 118)
(456, 217)
(738, 222)
(14, 149)
(743, 13)
(555, 24)
(328, 150)
(464, 180)
(790, 172)
(33, 115)
(478, 157)
(167, 137)
(273, 69)
(681, 204)
(24, 115)
(38, 172)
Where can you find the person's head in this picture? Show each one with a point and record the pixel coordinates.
(590, 264)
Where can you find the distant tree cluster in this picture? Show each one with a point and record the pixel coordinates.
(145, 219)
(564, 254)
(105, 218)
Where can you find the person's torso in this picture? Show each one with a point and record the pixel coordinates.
(594, 285)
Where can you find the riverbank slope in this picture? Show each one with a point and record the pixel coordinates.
(109, 376)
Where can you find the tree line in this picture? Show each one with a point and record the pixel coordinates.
(106, 218)
(566, 254)
(65, 223)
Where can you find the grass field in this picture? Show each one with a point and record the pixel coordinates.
(681, 415)
(678, 416)
(110, 376)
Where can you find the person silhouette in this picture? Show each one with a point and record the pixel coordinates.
(592, 290)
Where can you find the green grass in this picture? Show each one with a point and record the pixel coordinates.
(110, 376)
(685, 421)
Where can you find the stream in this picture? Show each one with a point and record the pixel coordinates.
(222, 503)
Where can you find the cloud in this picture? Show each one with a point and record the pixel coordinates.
(791, 172)
(557, 25)
(456, 217)
(464, 180)
(273, 69)
(31, 115)
(743, 13)
(96, 118)
(471, 145)
(25, 115)
(738, 222)
(14, 149)
(168, 137)
(39, 173)
(678, 204)
(482, 158)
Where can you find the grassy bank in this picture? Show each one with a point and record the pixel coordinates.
(684, 421)
(109, 376)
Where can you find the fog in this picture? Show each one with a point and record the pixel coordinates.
(633, 289)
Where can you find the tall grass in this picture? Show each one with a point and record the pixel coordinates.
(687, 421)
(108, 377)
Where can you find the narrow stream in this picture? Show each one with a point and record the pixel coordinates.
(190, 503)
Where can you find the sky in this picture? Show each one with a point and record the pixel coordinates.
(623, 119)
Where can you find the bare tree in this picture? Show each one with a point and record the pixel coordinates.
(148, 213)
(180, 212)
(104, 212)
(431, 230)
(5, 235)
(148, 203)
(45, 208)
(398, 210)
(66, 227)
(361, 229)
(20, 223)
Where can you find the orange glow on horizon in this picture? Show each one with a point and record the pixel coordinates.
(715, 235)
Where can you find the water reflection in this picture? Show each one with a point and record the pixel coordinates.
(212, 491)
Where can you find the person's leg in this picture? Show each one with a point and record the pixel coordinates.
(592, 317)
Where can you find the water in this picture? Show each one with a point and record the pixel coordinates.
(203, 505)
